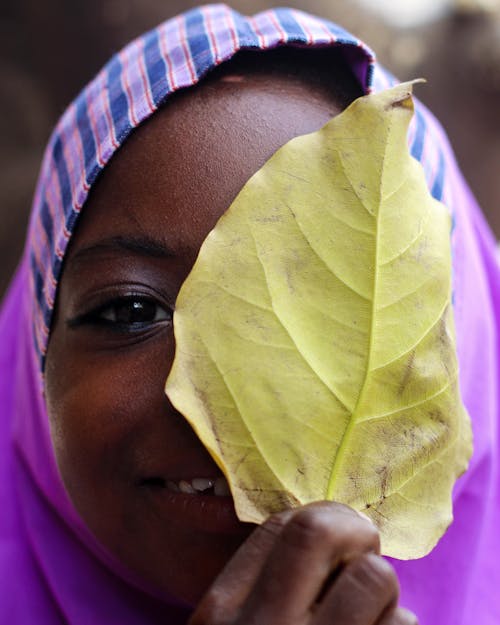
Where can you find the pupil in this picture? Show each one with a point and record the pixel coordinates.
(136, 312)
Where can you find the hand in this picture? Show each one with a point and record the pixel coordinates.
(317, 565)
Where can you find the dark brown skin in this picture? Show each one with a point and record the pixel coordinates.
(115, 432)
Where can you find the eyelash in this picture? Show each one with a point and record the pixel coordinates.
(108, 314)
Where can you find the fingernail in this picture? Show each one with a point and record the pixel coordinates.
(365, 516)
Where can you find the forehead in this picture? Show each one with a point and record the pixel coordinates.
(181, 170)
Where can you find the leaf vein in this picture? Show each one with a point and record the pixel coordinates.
(343, 402)
(409, 406)
(250, 434)
(235, 295)
(323, 261)
(416, 343)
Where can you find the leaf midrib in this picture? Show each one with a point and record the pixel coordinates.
(343, 445)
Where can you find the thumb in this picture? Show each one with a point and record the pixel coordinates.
(221, 603)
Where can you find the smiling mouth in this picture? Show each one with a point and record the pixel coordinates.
(200, 504)
(217, 487)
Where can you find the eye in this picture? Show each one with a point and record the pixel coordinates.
(133, 311)
(126, 314)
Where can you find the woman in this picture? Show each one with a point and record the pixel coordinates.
(102, 520)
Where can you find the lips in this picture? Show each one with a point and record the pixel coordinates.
(200, 503)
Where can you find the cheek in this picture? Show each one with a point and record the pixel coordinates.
(106, 410)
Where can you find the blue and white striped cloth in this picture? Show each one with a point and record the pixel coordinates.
(136, 81)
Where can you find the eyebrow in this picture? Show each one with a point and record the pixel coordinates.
(141, 245)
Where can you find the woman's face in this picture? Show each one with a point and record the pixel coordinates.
(121, 447)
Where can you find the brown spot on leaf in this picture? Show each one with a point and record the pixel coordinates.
(408, 370)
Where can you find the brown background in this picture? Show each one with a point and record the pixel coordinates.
(48, 50)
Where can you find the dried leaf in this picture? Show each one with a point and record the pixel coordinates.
(315, 340)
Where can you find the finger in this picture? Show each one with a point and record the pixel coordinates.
(222, 601)
(364, 590)
(312, 545)
(398, 616)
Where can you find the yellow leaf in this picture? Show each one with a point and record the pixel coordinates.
(315, 342)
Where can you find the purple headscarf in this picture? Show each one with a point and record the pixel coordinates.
(52, 570)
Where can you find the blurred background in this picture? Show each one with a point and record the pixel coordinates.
(50, 49)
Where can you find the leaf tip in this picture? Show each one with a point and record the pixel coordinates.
(402, 94)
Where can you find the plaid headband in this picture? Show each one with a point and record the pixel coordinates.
(133, 84)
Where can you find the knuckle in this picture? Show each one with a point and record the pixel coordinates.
(310, 527)
(374, 575)
(334, 526)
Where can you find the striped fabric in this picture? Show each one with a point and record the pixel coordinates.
(139, 79)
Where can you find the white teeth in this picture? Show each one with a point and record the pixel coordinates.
(221, 487)
(202, 483)
(185, 487)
